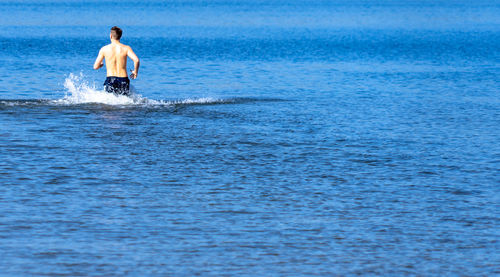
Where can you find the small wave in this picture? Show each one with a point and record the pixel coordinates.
(78, 91)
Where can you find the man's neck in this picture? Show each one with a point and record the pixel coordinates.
(114, 41)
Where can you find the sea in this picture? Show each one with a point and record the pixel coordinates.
(263, 138)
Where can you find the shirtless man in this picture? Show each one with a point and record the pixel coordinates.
(116, 55)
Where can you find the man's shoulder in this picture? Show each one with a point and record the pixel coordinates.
(105, 47)
(126, 46)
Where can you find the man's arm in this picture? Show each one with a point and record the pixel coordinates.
(98, 62)
(137, 63)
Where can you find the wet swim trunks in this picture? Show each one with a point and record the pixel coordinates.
(117, 85)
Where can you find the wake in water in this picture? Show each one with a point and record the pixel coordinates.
(78, 91)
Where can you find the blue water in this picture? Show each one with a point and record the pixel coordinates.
(265, 138)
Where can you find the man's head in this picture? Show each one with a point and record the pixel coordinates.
(116, 33)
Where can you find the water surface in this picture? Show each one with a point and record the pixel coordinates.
(275, 138)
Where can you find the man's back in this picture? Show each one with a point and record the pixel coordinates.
(115, 55)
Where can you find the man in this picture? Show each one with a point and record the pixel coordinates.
(116, 55)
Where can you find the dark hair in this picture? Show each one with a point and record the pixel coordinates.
(116, 32)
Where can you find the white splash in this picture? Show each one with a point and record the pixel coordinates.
(79, 91)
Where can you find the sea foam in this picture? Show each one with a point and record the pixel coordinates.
(79, 91)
